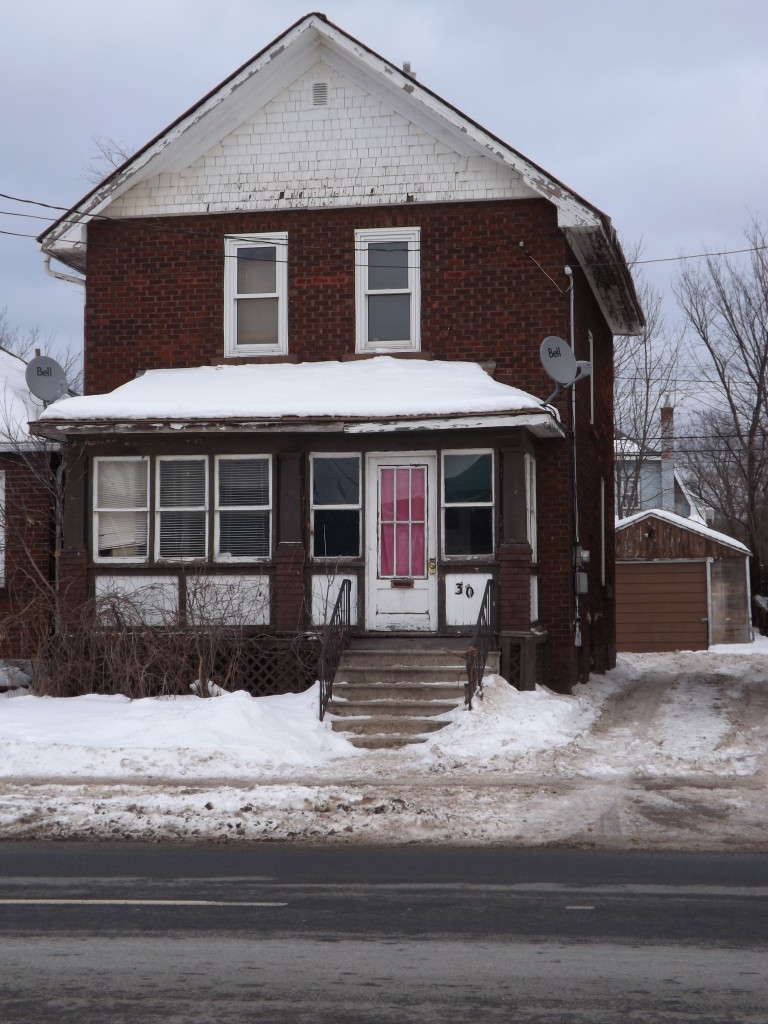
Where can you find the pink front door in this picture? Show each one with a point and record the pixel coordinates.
(402, 522)
(401, 530)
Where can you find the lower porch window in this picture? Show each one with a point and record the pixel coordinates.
(179, 507)
(335, 506)
(121, 509)
(468, 503)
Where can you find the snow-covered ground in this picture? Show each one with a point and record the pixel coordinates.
(666, 751)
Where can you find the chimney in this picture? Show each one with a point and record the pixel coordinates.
(668, 458)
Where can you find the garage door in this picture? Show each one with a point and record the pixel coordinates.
(661, 606)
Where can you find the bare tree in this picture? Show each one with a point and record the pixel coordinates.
(24, 344)
(646, 378)
(109, 155)
(725, 305)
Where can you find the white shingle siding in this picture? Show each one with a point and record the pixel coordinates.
(292, 154)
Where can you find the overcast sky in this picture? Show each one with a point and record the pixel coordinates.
(655, 111)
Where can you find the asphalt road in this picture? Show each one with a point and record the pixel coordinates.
(266, 933)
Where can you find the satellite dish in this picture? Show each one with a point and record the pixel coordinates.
(558, 360)
(46, 379)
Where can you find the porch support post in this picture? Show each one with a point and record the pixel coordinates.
(288, 594)
(514, 601)
(72, 556)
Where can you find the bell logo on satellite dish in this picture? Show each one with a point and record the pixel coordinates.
(558, 360)
(46, 379)
(561, 364)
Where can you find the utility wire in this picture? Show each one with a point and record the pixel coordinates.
(190, 232)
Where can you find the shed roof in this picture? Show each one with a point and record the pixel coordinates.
(682, 523)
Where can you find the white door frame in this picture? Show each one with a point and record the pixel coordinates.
(408, 605)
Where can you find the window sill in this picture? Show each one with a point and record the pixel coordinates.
(396, 353)
(237, 360)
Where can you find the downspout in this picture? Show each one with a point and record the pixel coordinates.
(58, 275)
(576, 530)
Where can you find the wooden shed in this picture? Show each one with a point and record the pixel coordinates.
(679, 585)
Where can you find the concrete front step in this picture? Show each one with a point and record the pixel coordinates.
(374, 725)
(390, 692)
(350, 673)
(341, 708)
(344, 689)
(384, 741)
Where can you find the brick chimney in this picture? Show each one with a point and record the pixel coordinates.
(668, 458)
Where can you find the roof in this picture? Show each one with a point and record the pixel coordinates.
(378, 394)
(17, 404)
(685, 524)
(588, 231)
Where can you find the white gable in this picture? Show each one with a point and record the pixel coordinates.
(353, 149)
(257, 141)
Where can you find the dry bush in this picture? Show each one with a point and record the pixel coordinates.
(119, 644)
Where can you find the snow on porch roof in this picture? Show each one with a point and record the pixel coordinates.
(361, 393)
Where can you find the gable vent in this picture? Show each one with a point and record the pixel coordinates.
(320, 94)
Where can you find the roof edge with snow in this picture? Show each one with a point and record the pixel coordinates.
(684, 524)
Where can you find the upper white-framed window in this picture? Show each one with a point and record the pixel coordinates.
(121, 509)
(335, 505)
(181, 507)
(388, 289)
(256, 294)
(468, 503)
(243, 508)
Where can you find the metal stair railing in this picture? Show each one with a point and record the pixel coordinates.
(477, 655)
(335, 640)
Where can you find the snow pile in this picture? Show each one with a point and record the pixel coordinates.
(667, 751)
(164, 737)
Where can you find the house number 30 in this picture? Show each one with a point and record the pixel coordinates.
(468, 590)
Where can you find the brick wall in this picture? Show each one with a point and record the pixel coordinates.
(156, 292)
(27, 521)
(156, 299)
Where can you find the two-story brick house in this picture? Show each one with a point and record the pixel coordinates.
(314, 310)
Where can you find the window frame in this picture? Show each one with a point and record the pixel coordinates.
(267, 240)
(96, 510)
(314, 456)
(364, 237)
(483, 556)
(158, 510)
(217, 510)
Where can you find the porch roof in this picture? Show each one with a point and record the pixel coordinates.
(378, 394)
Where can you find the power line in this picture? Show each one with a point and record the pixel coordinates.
(724, 253)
